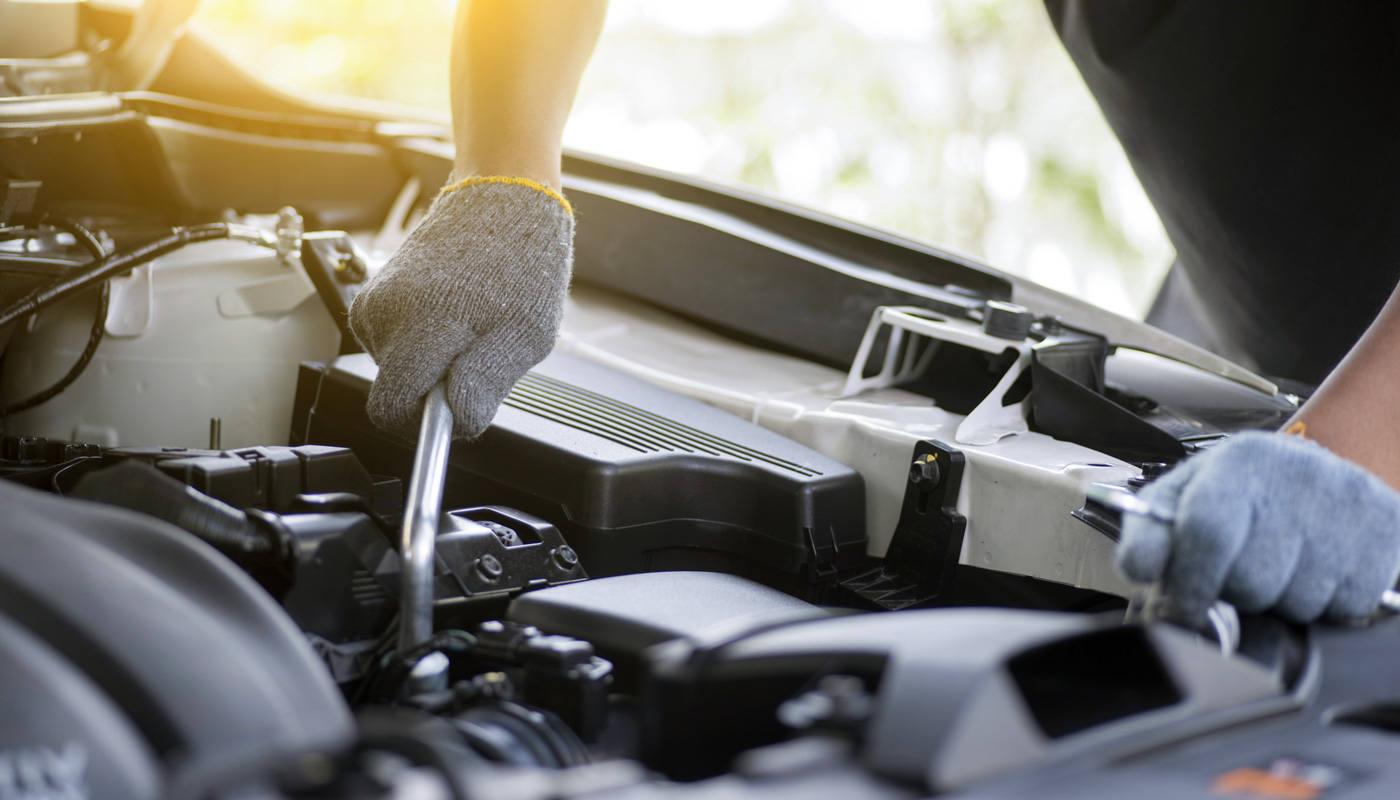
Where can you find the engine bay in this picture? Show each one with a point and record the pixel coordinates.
(795, 507)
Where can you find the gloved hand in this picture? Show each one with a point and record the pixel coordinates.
(475, 295)
(1267, 522)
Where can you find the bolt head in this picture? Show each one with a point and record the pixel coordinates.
(924, 471)
(1154, 469)
(489, 567)
(565, 557)
(350, 269)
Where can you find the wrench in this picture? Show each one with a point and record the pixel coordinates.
(422, 511)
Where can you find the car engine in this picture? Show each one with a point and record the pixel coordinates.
(795, 508)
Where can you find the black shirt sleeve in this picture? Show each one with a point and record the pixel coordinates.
(1267, 135)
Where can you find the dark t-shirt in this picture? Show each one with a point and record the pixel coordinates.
(1267, 135)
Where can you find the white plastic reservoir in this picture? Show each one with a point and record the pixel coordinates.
(215, 329)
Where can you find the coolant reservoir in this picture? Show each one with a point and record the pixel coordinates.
(213, 330)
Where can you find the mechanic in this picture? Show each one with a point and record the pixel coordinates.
(1256, 133)
(1259, 135)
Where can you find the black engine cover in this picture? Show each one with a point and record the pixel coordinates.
(638, 478)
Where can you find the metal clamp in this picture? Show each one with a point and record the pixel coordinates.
(420, 522)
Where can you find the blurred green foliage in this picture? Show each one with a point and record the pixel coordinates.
(961, 122)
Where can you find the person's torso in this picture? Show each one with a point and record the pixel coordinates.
(1267, 135)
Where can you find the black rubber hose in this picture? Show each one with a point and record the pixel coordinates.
(95, 334)
(86, 238)
(510, 733)
(109, 266)
(141, 487)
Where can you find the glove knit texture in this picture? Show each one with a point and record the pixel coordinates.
(474, 296)
(1268, 523)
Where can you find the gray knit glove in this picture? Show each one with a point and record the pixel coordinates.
(1267, 522)
(475, 295)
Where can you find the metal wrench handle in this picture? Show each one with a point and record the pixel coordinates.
(1390, 601)
(420, 522)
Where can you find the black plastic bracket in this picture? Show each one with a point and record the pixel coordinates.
(922, 559)
(338, 270)
(558, 673)
(493, 551)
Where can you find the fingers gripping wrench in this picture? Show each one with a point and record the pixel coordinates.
(1127, 503)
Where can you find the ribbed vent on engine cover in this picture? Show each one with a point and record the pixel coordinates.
(628, 425)
(636, 477)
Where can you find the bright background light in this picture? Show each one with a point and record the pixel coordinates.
(961, 122)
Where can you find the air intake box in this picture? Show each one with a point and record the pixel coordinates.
(638, 479)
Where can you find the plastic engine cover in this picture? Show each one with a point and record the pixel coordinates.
(639, 479)
(59, 732)
(129, 649)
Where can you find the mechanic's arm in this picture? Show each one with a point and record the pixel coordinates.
(1307, 529)
(1355, 412)
(476, 294)
(516, 66)
(142, 55)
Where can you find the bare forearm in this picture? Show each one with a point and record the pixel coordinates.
(516, 66)
(1354, 412)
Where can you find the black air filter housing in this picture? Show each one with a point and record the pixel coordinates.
(638, 478)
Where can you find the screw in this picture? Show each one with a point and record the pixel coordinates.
(489, 567)
(565, 558)
(350, 269)
(924, 471)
